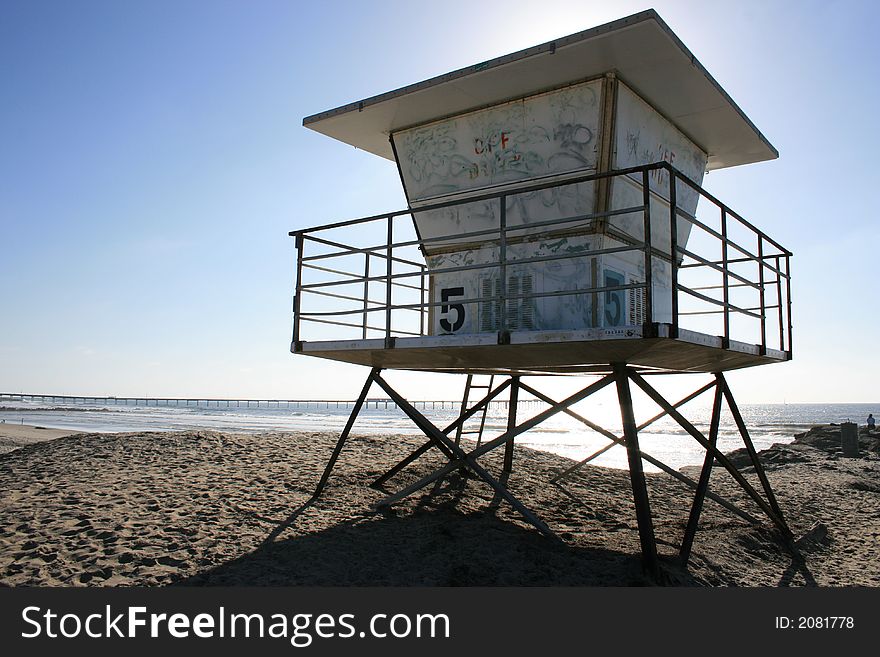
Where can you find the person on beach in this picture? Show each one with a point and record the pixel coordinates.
(871, 422)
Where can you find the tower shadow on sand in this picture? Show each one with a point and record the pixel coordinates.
(437, 547)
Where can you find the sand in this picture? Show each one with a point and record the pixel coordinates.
(206, 508)
(13, 436)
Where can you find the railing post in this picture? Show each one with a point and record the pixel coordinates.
(366, 291)
(389, 269)
(788, 299)
(673, 247)
(297, 296)
(422, 310)
(502, 257)
(761, 294)
(649, 274)
(725, 279)
(779, 304)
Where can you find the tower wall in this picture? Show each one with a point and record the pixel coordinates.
(589, 127)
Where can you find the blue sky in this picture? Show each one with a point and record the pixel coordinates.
(152, 161)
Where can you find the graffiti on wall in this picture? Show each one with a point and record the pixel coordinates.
(550, 133)
(644, 137)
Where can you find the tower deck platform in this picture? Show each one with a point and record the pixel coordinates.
(550, 352)
(724, 301)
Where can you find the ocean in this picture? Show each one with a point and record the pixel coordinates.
(664, 440)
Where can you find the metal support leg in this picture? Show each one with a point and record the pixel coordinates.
(374, 373)
(636, 474)
(703, 485)
(511, 423)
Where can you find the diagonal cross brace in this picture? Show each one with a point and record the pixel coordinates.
(442, 439)
(428, 445)
(500, 440)
(730, 506)
(719, 456)
(690, 531)
(355, 411)
(750, 447)
(616, 439)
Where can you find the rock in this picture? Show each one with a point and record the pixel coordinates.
(826, 437)
(740, 458)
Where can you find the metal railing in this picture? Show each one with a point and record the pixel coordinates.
(365, 286)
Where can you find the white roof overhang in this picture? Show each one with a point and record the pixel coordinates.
(640, 49)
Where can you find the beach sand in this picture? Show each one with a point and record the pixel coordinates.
(206, 508)
(13, 436)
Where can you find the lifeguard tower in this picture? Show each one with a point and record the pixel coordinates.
(556, 225)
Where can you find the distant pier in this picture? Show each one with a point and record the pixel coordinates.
(212, 402)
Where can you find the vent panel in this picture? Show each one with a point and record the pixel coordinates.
(520, 311)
